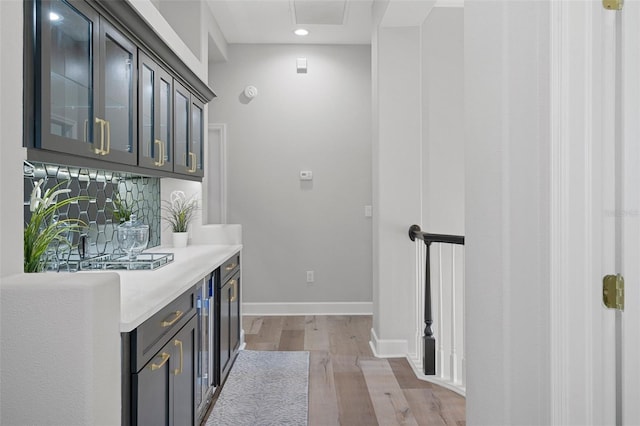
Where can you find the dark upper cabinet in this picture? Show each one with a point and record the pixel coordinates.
(155, 106)
(188, 132)
(85, 85)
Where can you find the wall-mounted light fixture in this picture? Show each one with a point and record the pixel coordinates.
(301, 32)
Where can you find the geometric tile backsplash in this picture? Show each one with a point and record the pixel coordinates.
(106, 190)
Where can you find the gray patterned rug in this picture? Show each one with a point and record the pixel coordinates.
(264, 388)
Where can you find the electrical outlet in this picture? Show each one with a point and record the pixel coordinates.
(310, 276)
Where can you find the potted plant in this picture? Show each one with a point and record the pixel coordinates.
(44, 228)
(178, 212)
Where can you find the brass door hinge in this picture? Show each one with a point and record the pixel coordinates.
(613, 291)
(613, 4)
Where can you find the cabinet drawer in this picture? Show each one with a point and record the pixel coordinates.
(147, 339)
(229, 268)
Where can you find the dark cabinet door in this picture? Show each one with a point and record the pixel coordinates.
(196, 152)
(181, 128)
(85, 84)
(225, 321)
(67, 80)
(153, 391)
(184, 371)
(117, 109)
(188, 132)
(234, 312)
(164, 388)
(155, 106)
(229, 335)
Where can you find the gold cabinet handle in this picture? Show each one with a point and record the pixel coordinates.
(193, 167)
(100, 151)
(230, 266)
(165, 357)
(160, 161)
(234, 283)
(178, 370)
(176, 317)
(108, 127)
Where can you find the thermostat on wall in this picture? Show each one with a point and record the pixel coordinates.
(306, 175)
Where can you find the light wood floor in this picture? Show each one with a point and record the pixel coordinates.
(347, 384)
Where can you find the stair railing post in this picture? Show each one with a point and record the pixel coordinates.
(429, 341)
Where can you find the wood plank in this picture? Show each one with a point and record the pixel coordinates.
(270, 330)
(295, 322)
(453, 405)
(391, 406)
(251, 324)
(354, 403)
(291, 340)
(425, 408)
(316, 335)
(344, 337)
(262, 346)
(405, 376)
(323, 401)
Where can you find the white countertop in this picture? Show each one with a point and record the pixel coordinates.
(143, 293)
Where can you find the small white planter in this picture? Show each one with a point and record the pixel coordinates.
(180, 239)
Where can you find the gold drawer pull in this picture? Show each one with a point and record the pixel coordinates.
(194, 166)
(108, 131)
(160, 161)
(230, 267)
(178, 370)
(234, 283)
(100, 151)
(165, 357)
(178, 315)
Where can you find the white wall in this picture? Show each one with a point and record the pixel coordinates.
(443, 181)
(397, 199)
(443, 121)
(418, 159)
(318, 121)
(11, 151)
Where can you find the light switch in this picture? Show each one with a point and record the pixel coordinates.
(306, 175)
(368, 211)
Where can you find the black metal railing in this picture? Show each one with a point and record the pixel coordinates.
(429, 353)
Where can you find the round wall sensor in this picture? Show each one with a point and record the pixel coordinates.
(251, 92)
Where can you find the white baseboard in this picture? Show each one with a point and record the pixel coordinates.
(388, 348)
(324, 308)
(416, 365)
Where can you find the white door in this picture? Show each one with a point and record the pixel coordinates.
(629, 217)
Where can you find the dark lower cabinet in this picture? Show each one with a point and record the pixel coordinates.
(228, 305)
(164, 388)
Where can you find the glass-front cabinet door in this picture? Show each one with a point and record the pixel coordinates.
(118, 131)
(196, 165)
(85, 85)
(155, 94)
(65, 102)
(182, 101)
(189, 132)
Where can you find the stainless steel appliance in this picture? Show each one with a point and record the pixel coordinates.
(205, 377)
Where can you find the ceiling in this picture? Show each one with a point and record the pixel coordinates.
(273, 21)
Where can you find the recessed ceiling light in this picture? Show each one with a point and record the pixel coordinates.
(301, 32)
(54, 17)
